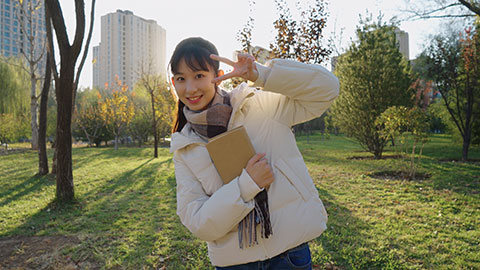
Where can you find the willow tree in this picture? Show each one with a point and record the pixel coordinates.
(373, 76)
(14, 97)
(66, 82)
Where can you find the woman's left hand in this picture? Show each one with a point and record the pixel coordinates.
(244, 68)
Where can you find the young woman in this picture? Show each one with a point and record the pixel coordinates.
(263, 218)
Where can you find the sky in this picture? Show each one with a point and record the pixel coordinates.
(219, 21)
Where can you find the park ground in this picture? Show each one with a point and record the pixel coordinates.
(124, 213)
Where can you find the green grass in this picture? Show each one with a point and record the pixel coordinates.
(124, 214)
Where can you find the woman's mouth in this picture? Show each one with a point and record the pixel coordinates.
(194, 100)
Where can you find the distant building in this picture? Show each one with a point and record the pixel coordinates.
(13, 41)
(333, 62)
(129, 46)
(402, 40)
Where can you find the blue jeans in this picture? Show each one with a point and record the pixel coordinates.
(298, 258)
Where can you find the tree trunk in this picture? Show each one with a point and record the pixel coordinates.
(42, 143)
(116, 142)
(154, 127)
(466, 145)
(33, 111)
(64, 91)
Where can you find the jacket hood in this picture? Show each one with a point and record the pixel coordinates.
(187, 136)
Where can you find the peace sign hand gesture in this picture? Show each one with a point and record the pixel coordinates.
(244, 68)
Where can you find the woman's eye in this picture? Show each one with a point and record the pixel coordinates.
(199, 76)
(179, 79)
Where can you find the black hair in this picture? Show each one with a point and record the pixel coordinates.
(196, 53)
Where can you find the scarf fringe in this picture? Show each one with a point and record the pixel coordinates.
(247, 228)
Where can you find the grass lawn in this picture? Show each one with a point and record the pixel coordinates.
(124, 214)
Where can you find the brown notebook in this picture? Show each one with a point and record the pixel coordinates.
(230, 152)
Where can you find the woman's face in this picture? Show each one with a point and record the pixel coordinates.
(194, 88)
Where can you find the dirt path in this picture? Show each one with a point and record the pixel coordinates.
(39, 253)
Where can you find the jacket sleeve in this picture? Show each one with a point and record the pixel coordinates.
(212, 217)
(306, 90)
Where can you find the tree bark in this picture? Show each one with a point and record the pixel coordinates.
(116, 142)
(42, 131)
(65, 88)
(154, 126)
(54, 159)
(466, 144)
(33, 110)
(64, 91)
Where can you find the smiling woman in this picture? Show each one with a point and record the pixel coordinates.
(241, 229)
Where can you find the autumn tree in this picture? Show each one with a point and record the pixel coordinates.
(455, 71)
(373, 76)
(117, 111)
(140, 128)
(165, 107)
(301, 40)
(154, 85)
(88, 119)
(66, 82)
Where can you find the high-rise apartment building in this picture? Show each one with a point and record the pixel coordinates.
(18, 24)
(402, 40)
(129, 46)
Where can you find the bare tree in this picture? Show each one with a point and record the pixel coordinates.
(431, 9)
(66, 82)
(154, 84)
(33, 51)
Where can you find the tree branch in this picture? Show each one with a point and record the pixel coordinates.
(474, 8)
(85, 50)
(80, 29)
(50, 47)
(429, 14)
(58, 22)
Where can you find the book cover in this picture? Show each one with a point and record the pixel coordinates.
(230, 152)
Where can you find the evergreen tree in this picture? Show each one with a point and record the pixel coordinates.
(373, 76)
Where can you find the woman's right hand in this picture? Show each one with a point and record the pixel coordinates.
(260, 171)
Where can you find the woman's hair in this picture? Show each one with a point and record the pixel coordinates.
(195, 51)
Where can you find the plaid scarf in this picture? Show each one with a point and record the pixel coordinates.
(210, 123)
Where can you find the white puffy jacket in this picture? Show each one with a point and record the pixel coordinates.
(292, 93)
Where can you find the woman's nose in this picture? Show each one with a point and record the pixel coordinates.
(191, 87)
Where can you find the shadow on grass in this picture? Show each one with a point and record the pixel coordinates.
(347, 243)
(119, 222)
(31, 185)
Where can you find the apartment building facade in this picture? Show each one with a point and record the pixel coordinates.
(19, 23)
(129, 46)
